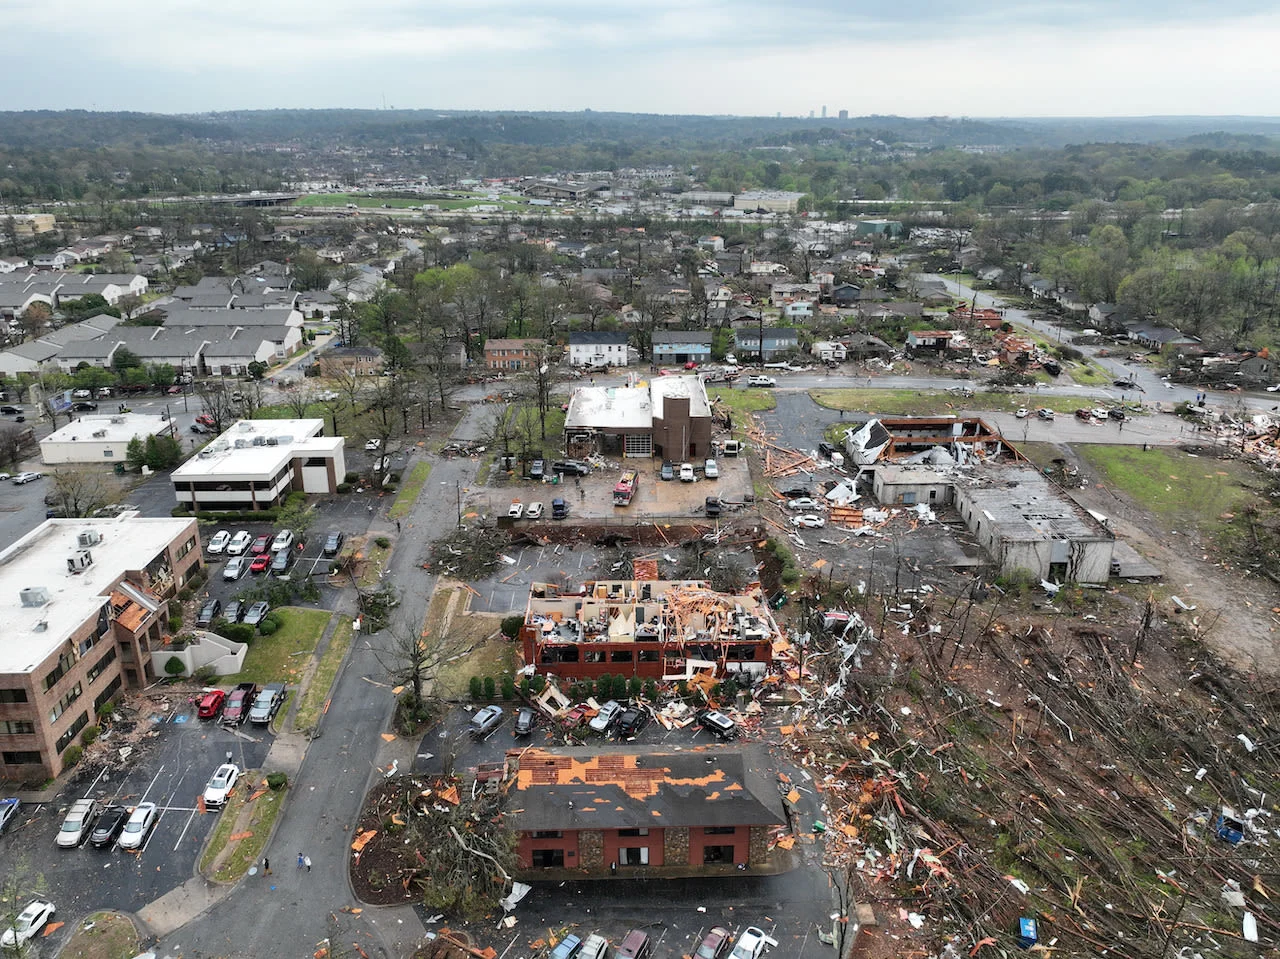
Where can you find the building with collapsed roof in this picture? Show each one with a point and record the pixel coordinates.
(669, 417)
(912, 485)
(638, 813)
(961, 438)
(1024, 523)
(668, 629)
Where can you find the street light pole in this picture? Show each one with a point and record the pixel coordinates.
(458, 487)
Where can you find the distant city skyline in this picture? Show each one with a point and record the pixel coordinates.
(750, 58)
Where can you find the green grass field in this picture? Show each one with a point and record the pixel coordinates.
(940, 402)
(744, 401)
(321, 682)
(1172, 483)
(284, 654)
(410, 490)
(399, 203)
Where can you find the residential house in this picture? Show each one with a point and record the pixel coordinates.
(597, 348)
(781, 294)
(892, 310)
(829, 351)
(356, 360)
(936, 340)
(681, 346)
(11, 264)
(1109, 316)
(845, 295)
(513, 355)
(1156, 337)
(862, 346)
(636, 812)
(801, 310)
(769, 344)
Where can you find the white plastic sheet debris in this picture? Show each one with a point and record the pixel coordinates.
(518, 891)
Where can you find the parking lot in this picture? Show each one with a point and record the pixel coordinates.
(791, 908)
(170, 767)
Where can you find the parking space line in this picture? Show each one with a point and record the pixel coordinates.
(185, 827)
(143, 798)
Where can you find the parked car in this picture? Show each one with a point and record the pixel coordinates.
(333, 542)
(718, 724)
(632, 720)
(515, 510)
(373, 445)
(559, 508)
(537, 469)
(668, 471)
(211, 704)
(218, 542)
(594, 947)
(200, 428)
(751, 942)
(714, 944)
(27, 476)
(260, 563)
(267, 704)
(1022, 413)
(209, 612)
(81, 394)
(635, 945)
(1117, 415)
(1044, 413)
(281, 562)
(261, 544)
(83, 407)
(29, 922)
(534, 511)
(237, 708)
(204, 419)
(236, 567)
(486, 720)
(141, 821)
(803, 503)
(686, 473)
(256, 613)
(284, 540)
(8, 809)
(108, 826)
(10, 410)
(1083, 415)
(220, 785)
(234, 609)
(571, 468)
(758, 380)
(526, 719)
(711, 470)
(609, 714)
(567, 948)
(239, 543)
(809, 521)
(78, 823)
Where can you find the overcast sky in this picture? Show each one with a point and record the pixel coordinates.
(753, 57)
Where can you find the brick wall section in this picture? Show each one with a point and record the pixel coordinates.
(758, 846)
(675, 846)
(591, 849)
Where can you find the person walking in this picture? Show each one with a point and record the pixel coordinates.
(397, 526)
(307, 862)
(301, 860)
(266, 866)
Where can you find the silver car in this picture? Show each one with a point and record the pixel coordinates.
(141, 821)
(77, 824)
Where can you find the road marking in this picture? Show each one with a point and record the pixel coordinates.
(185, 827)
(150, 784)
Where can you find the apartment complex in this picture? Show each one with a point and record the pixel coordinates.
(84, 603)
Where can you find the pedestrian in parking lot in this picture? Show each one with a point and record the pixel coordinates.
(307, 862)
(266, 865)
(301, 860)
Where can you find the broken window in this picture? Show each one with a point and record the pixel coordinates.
(547, 858)
(715, 855)
(719, 830)
(633, 832)
(548, 834)
(633, 856)
(648, 655)
(559, 654)
(620, 656)
(594, 656)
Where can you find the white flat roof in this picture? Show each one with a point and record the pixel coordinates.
(613, 407)
(39, 559)
(119, 427)
(679, 386)
(258, 448)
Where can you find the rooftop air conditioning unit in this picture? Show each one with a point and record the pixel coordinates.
(117, 420)
(259, 441)
(34, 596)
(273, 441)
(41, 626)
(79, 561)
(88, 537)
(242, 444)
(98, 434)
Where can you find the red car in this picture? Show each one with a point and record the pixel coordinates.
(204, 419)
(261, 545)
(260, 563)
(211, 703)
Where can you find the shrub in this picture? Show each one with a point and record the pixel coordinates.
(277, 781)
(490, 688)
(619, 687)
(729, 689)
(105, 711)
(651, 690)
(511, 626)
(525, 686)
(90, 735)
(508, 688)
(72, 755)
(185, 594)
(269, 625)
(351, 477)
(604, 686)
(344, 487)
(175, 622)
(236, 632)
(174, 666)
(477, 688)
(682, 689)
(382, 542)
(634, 686)
(538, 684)
(205, 675)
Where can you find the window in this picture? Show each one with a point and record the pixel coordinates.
(17, 727)
(65, 662)
(714, 855)
(108, 453)
(108, 691)
(187, 547)
(22, 758)
(593, 656)
(11, 696)
(620, 656)
(98, 668)
(719, 830)
(63, 704)
(72, 731)
(543, 858)
(633, 856)
(633, 832)
(548, 834)
(648, 655)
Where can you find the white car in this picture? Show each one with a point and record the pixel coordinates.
(78, 822)
(686, 473)
(809, 521)
(710, 469)
(239, 543)
(82, 394)
(515, 510)
(761, 381)
(373, 445)
(29, 922)
(141, 821)
(1022, 413)
(236, 567)
(751, 942)
(283, 540)
(534, 511)
(27, 477)
(220, 785)
(218, 543)
(804, 503)
(609, 714)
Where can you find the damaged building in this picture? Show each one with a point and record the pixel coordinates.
(962, 438)
(642, 814)
(660, 629)
(669, 417)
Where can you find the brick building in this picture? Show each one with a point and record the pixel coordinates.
(513, 355)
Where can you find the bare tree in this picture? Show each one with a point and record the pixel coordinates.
(82, 490)
(215, 400)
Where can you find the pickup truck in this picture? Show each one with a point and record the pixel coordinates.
(238, 704)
